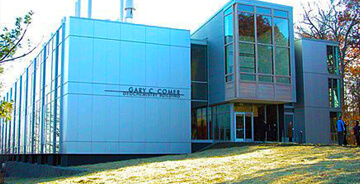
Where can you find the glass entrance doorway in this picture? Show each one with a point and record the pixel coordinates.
(244, 123)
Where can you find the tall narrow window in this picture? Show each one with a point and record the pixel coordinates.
(229, 46)
(281, 30)
(334, 93)
(282, 58)
(246, 27)
(264, 29)
(265, 60)
(333, 59)
(247, 61)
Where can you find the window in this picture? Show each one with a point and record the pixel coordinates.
(229, 63)
(247, 61)
(281, 30)
(229, 28)
(198, 63)
(265, 57)
(229, 46)
(246, 8)
(264, 49)
(200, 126)
(333, 59)
(279, 13)
(334, 93)
(260, 10)
(221, 122)
(246, 27)
(333, 130)
(264, 29)
(282, 57)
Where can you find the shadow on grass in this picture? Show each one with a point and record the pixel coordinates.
(95, 168)
(337, 171)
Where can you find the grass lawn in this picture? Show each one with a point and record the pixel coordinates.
(268, 163)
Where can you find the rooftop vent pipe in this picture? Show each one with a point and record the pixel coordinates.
(121, 10)
(89, 8)
(78, 8)
(129, 8)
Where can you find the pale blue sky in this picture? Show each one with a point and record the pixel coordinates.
(185, 14)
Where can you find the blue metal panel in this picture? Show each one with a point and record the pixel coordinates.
(14, 120)
(1, 135)
(55, 90)
(7, 139)
(61, 87)
(26, 108)
(33, 108)
(10, 124)
(19, 130)
(43, 103)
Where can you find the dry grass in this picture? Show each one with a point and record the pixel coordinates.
(251, 164)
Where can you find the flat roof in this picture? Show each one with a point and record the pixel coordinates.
(317, 40)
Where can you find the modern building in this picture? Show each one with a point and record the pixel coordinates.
(105, 90)
(318, 89)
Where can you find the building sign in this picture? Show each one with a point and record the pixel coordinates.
(149, 92)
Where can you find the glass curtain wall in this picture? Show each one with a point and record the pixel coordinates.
(229, 45)
(201, 124)
(35, 126)
(221, 116)
(264, 44)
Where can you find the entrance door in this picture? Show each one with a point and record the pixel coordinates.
(244, 123)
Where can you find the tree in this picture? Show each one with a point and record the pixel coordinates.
(339, 22)
(10, 42)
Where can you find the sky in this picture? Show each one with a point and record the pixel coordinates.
(184, 14)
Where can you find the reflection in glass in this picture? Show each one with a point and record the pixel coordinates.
(264, 29)
(330, 92)
(283, 80)
(198, 63)
(247, 8)
(229, 60)
(229, 29)
(265, 59)
(279, 13)
(282, 59)
(281, 30)
(263, 10)
(336, 93)
(330, 59)
(333, 59)
(199, 91)
(247, 57)
(247, 77)
(265, 78)
(246, 27)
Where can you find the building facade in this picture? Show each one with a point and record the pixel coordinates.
(250, 74)
(318, 81)
(105, 90)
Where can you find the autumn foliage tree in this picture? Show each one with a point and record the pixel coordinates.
(339, 22)
(11, 41)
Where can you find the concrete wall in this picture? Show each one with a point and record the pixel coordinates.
(104, 61)
(312, 112)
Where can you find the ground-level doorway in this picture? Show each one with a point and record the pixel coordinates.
(244, 126)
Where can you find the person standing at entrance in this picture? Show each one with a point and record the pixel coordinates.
(340, 129)
(357, 133)
(290, 131)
